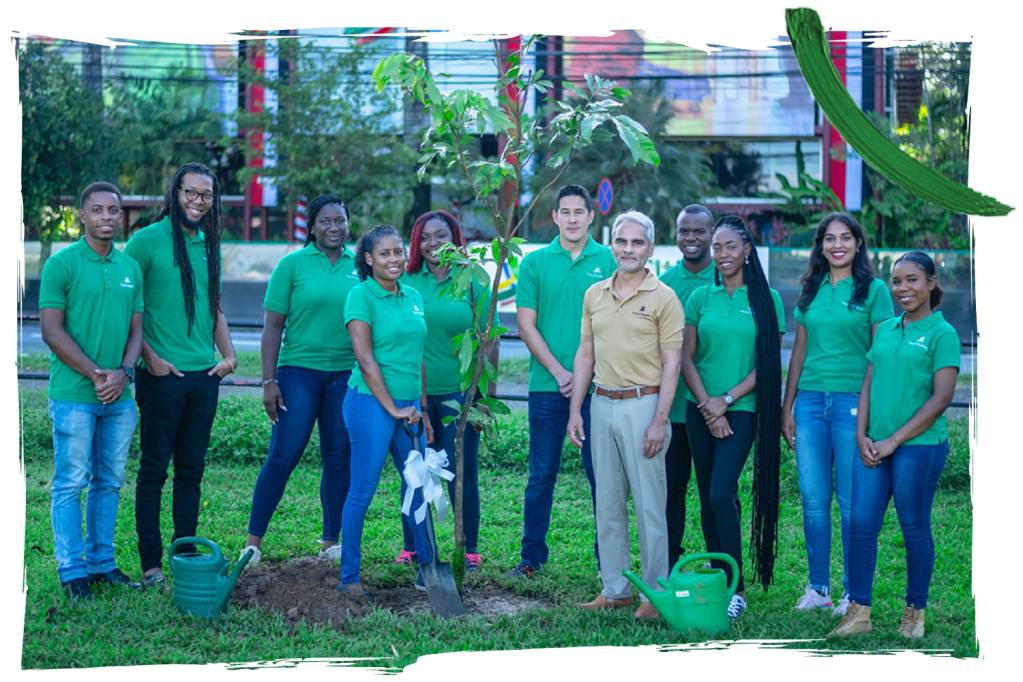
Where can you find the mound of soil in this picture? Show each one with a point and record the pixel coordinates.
(303, 589)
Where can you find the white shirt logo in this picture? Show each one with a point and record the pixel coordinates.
(919, 343)
(127, 283)
(596, 272)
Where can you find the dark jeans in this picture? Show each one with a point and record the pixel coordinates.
(910, 476)
(444, 439)
(548, 422)
(718, 463)
(310, 396)
(175, 417)
(678, 467)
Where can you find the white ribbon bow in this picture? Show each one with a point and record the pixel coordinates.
(426, 473)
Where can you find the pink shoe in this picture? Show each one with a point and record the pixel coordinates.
(472, 562)
(407, 557)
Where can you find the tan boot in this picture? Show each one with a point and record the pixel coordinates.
(912, 623)
(856, 621)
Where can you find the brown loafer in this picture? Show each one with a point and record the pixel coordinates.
(646, 610)
(602, 602)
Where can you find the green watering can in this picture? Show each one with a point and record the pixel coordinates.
(201, 583)
(693, 600)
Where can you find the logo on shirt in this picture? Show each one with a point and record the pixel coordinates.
(352, 275)
(597, 272)
(919, 343)
(641, 312)
(127, 283)
(853, 306)
(746, 311)
(416, 310)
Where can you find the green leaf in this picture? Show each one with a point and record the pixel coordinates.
(574, 88)
(465, 353)
(497, 330)
(494, 405)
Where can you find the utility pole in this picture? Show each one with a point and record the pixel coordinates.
(415, 119)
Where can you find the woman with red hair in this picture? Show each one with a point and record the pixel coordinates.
(445, 319)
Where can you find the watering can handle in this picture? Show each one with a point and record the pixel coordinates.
(192, 541)
(707, 556)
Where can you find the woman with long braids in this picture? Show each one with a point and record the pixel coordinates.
(839, 308)
(731, 364)
(388, 328)
(305, 376)
(179, 380)
(902, 436)
(445, 319)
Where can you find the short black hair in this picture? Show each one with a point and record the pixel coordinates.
(99, 187)
(695, 208)
(573, 191)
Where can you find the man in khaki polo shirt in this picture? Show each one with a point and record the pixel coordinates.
(630, 347)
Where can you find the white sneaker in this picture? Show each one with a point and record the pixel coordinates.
(332, 553)
(842, 606)
(812, 599)
(256, 555)
(736, 606)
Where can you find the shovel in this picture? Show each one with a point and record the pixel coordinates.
(440, 582)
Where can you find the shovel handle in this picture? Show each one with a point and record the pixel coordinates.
(431, 538)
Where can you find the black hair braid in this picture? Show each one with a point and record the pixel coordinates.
(818, 268)
(314, 209)
(367, 243)
(211, 227)
(767, 416)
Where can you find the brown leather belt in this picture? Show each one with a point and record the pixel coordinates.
(622, 393)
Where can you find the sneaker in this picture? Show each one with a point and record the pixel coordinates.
(855, 621)
(912, 623)
(420, 581)
(472, 562)
(523, 570)
(332, 553)
(842, 606)
(812, 599)
(114, 577)
(256, 555)
(78, 589)
(407, 557)
(736, 606)
(154, 580)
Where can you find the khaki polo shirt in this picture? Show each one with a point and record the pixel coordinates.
(628, 335)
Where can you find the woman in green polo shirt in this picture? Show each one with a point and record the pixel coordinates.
(731, 364)
(903, 440)
(388, 328)
(445, 319)
(305, 376)
(840, 305)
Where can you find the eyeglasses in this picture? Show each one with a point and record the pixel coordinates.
(206, 197)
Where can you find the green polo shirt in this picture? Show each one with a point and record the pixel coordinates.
(726, 339)
(98, 296)
(445, 319)
(838, 335)
(165, 324)
(553, 285)
(683, 283)
(311, 292)
(905, 360)
(398, 326)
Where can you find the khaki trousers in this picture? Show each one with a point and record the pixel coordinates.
(616, 439)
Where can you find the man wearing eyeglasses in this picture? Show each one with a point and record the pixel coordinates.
(179, 379)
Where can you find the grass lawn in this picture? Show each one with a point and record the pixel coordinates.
(140, 629)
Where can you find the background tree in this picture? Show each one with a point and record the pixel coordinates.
(454, 119)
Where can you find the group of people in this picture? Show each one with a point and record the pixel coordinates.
(651, 377)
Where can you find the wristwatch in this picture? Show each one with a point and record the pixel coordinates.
(727, 397)
(129, 371)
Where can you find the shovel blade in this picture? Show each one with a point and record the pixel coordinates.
(440, 587)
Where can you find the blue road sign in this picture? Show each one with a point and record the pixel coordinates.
(605, 196)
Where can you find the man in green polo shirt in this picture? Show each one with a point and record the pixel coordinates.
(694, 226)
(551, 284)
(179, 381)
(90, 307)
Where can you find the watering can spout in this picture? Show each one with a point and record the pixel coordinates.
(643, 587)
(226, 583)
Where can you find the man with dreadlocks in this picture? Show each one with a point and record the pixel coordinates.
(178, 384)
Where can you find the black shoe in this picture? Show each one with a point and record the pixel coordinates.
(78, 589)
(523, 570)
(154, 580)
(420, 581)
(114, 577)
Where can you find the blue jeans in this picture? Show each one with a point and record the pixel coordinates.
(310, 396)
(372, 431)
(548, 422)
(825, 444)
(910, 476)
(444, 439)
(90, 449)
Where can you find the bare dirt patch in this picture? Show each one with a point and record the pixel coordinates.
(304, 589)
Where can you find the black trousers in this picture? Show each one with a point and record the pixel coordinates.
(678, 468)
(175, 417)
(718, 463)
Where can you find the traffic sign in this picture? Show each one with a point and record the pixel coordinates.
(605, 196)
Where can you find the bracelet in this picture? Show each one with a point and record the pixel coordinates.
(234, 364)
(268, 381)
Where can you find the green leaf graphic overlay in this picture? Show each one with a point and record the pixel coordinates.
(811, 48)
